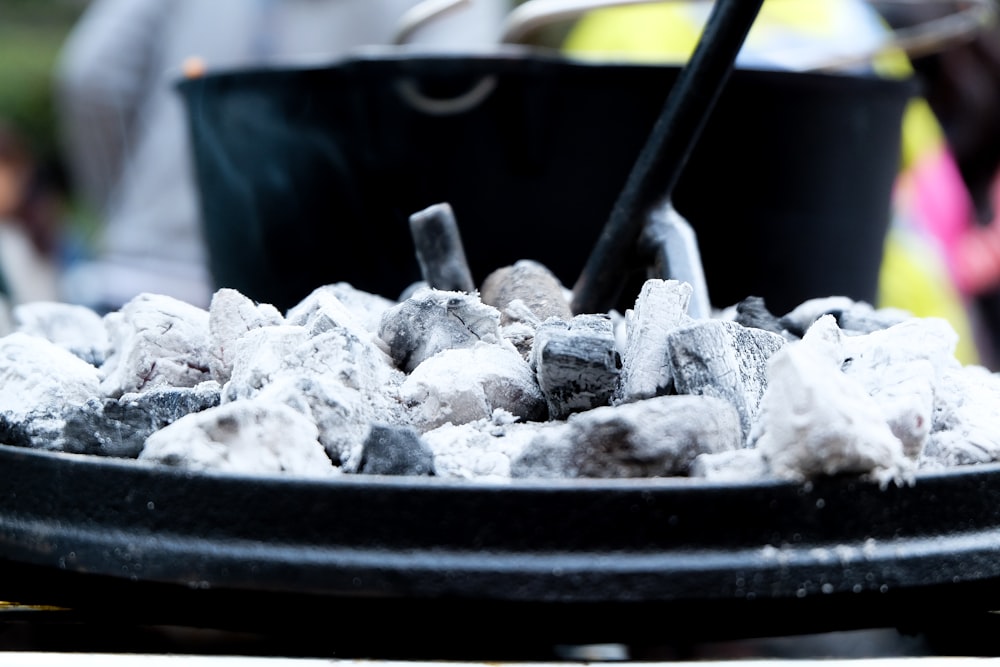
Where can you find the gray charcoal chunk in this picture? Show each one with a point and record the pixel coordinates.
(439, 249)
(119, 427)
(395, 450)
(576, 363)
(432, 321)
(853, 317)
(723, 359)
(752, 312)
(16, 433)
(656, 437)
(660, 308)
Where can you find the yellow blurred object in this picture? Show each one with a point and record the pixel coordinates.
(913, 278)
(795, 35)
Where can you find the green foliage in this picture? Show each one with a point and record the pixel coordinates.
(31, 33)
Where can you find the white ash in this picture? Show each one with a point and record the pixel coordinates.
(655, 437)
(331, 371)
(899, 368)
(965, 423)
(576, 363)
(331, 343)
(366, 307)
(723, 359)
(342, 415)
(230, 316)
(466, 384)
(77, 329)
(479, 450)
(156, 341)
(660, 308)
(40, 381)
(518, 325)
(252, 436)
(816, 420)
(738, 465)
(432, 321)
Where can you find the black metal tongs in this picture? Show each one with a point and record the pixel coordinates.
(644, 213)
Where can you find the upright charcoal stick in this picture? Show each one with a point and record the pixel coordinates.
(439, 249)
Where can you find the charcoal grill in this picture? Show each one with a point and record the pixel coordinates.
(560, 562)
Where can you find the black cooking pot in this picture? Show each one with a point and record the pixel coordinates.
(308, 176)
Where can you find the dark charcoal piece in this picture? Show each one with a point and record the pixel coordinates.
(119, 427)
(439, 249)
(752, 312)
(395, 450)
(14, 433)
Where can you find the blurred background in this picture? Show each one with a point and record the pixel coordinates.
(43, 229)
(31, 32)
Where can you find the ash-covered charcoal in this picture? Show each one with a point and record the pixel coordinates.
(395, 450)
(119, 427)
(156, 341)
(965, 429)
(853, 317)
(439, 249)
(250, 437)
(482, 449)
(342, 414)
(752, 312)
(899, 367)
(77, 329)
(40, 381)
(331, 370)
(656, 437)
(738, 465)
(858, 392)
(660, 308)
(366, 308)
(576, 363)
(330, 343)
(230, 316)
(466, 384)
(816, 420)
(531, 283)
(433, 320)
(723, 359)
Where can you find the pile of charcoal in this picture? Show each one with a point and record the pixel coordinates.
(498, 383)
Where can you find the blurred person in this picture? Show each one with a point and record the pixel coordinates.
(125, 133)
(31, 209)
(962, 87)
(931, 205)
